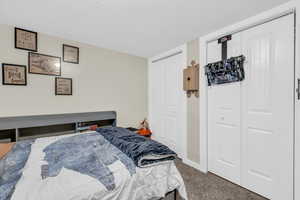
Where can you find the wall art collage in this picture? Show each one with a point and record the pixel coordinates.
(40, 64)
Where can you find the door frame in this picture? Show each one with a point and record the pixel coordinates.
(264, 17)
(297, 112)
(183, 117)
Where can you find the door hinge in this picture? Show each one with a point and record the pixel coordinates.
(298, 89)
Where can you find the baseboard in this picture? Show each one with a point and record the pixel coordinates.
(192, 164)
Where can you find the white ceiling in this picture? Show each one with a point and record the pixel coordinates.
(139, 27)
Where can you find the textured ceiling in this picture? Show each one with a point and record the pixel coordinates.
(138, 27)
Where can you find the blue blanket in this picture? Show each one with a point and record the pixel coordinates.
(143, 151)
(11, 168)
(88, 154)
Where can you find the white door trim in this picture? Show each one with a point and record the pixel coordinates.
(203, 41)
(173, 52)
(297, 114)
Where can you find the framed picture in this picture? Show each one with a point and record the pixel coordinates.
(26, 40)
(14, 74)
(44, 64)
(70, 54)
(63, 86)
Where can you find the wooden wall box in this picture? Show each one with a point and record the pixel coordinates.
(191, 79)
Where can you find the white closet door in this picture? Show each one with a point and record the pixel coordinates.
(268, 109)
(156, 99)
(251, 122)
(225, 118)
(167, 116)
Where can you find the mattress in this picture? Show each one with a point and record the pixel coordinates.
(125, 181)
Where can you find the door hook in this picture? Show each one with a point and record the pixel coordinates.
(298, 89)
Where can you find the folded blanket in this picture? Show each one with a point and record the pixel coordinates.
(143, 151)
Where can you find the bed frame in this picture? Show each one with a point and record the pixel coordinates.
(26, 127)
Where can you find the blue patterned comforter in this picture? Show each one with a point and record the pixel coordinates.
(11, 167)
(90, 154)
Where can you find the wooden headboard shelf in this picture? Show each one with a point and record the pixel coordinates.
(17, 128)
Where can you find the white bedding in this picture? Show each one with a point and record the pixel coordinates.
(147, 183)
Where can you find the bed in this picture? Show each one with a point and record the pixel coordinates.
(109, 163)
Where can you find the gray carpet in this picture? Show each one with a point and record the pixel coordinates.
(202, 186)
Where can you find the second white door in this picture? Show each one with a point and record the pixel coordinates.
(167, 101)
(251, 122)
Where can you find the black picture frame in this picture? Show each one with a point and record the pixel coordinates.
(45, 55)
(32, 32)
(70, 46)
(56, 87)
(3, 74)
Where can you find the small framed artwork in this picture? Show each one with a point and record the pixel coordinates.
(26, 40)
(70, 54)
(63, 86)
(14, 74)
(44, 64)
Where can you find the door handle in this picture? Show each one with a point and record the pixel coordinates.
(298, 89)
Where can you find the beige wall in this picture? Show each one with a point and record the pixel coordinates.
(104, 80)
(193, 146)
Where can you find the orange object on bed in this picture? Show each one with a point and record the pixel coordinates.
(144, 132)
(144, 129)
(93, 127)
(5, 148)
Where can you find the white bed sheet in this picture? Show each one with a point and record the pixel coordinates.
(147, 183)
